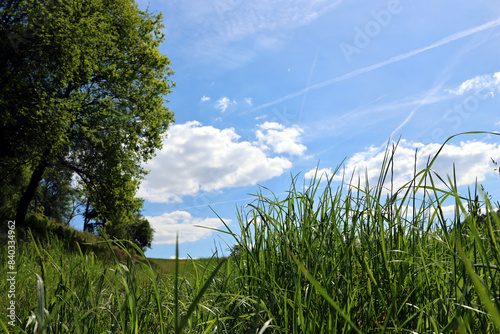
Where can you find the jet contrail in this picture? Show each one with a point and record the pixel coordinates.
(446, 40)
(429, 95)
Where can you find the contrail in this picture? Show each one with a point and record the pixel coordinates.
(422, 102)
(311, 71)
(446, 40)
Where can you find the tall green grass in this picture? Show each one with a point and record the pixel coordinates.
(61, 292)
(326, 258)
(363, 258)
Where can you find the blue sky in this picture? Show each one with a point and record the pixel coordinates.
(270, 89)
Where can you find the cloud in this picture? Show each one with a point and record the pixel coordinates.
(248, 101)
(472, 161)
(323, 173)
(198, 158)
(237, 19)
(224, 103)
(217, 29)
(489, 83)
(280, 138)
(205, 98)
(168, 225)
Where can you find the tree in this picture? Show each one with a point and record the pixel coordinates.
(140, 231)
(133, 227)
(82, 89)
(56, 196)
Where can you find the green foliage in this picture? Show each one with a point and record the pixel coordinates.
(82, 90)
(14, 180)
(140, 232)
(56, 196)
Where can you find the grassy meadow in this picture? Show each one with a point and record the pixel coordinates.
(354, 258)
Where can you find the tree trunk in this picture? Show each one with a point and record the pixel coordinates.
(24, 202)
(86, 218)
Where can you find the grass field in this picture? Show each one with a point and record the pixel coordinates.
(324, 259)
(167, 266)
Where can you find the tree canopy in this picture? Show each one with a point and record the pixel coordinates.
(82, 91)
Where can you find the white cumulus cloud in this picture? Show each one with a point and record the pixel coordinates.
(488, 83)
(280, 139)
(248, 100)
(168, 225)
(472, 161)
(205, 98)
(198, 158)
(224, 103)
(323, 173)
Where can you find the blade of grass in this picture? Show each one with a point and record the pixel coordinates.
(41, 303)
(481, 290)
(176, 286)
(325, 295)
(4, 327)
(198, 297)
